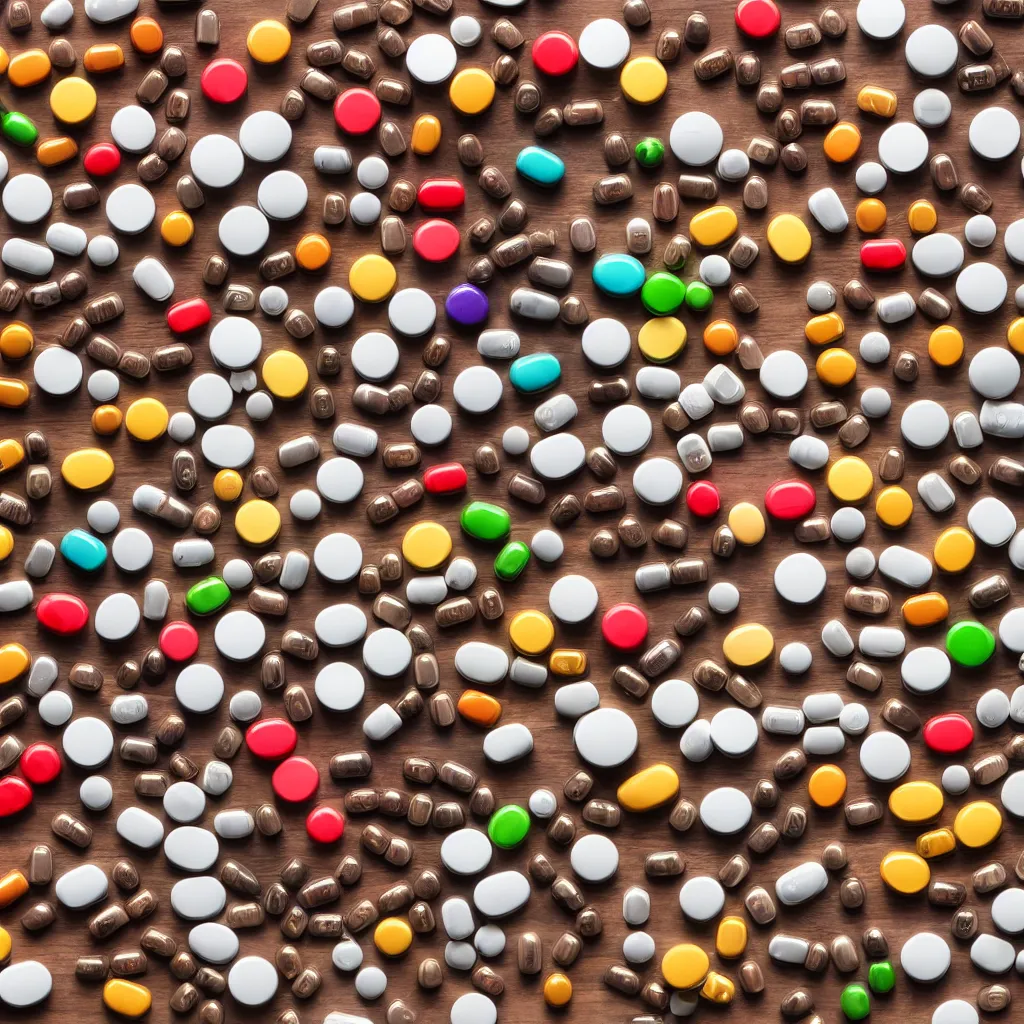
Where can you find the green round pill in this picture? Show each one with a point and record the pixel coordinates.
(970, 643)
(855, 1001)
(881, 977)
(699, 296)
(508, 826)
(649, 152)
(662, 293)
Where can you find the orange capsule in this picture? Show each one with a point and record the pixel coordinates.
(56, 151)
(146, 35)
(106, 419)
(312, 251)
(925, 609)
(13, 885)
(479, 708)
(13, 393)
(721, 337)
(103, 57)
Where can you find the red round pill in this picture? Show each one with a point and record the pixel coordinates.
(948, 734)
(325, 824)
(101, 159)
(624, 626)
(188, 315)
(295, 779)
(15, 795)
(179, 641)
(703, 499)
(758, 18)
(436, 240)
(40, 763)
(555, 53)
(223, 80)
(271, 738)
(62, 613)
(445, 478)
(357, 111)
(790, 499)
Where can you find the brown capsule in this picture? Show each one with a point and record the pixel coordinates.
(442, 713)
(751, 977)
(183, 965)
(612, 188)
(759, 905)
(683, 815)
(676, 250)
(863, 811)
(797, 1003)
(713, 64)
(734, 871)
(616, 150)
(561, 830)
(62, 53)
(696, 186)
(989, 591)
(975, 198)
(965, 470)
(964, 924)
(1007, 471)
(989, 769)
(429, 974)
(794, 158)
(92, 968)
(851, 893)
(39, 916)
(989, 877)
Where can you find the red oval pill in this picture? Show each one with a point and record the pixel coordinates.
(948, 734)
(101, 159)
(445, 478)
(555, 52)
(295, 779)
(790, 499)
(883, 254)
(441, 194)
(15, 795)
(271, 738)
(62, 613)
(436, 240)
(188, 315)
(758, 18)
(179, 641)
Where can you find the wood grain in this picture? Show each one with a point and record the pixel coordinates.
(740, 476)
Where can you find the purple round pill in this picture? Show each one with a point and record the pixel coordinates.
(467, 304)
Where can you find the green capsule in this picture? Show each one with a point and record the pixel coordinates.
(207, 596)
(662, 293)
(855, 1001)
(485, 521)
(699, 296)
(19, 129)
(649, 152)
(881, 977)
(508, 826)
(511, 560)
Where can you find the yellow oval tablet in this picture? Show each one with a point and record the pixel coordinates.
(835, 367)
(87, 468)
(916, 802)
(894, 507)
(685, 966)
(747, 522)
(643, 80)
(567, 662)
(649, 788)
(945, 346)
(51, 152)
(905, 872)
(824, 329)
(14, 659)
(146, 419)
(731, 937)
(13, 393)
(977, 823)
(426, 545)
(372, 277)
(921, 217)
(392, 936)
(127, 997)
(5, 944)
(16, 340)
(827, 785)
(789, 238)
(748, 645)
(531, 632)
(257, 522)
(954, 549)
(268, 41)
(850, 479)
(936, 843)
(426, 135)
(73, 100)
(713, 226)
(663, 338)
(285, 374)
(1015, 334)
(471, 91)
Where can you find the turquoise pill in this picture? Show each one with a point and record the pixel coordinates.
(619, 274)
(540, 166)
(534, 372)
(83, 550)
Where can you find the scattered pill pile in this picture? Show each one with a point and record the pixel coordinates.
(510, 507)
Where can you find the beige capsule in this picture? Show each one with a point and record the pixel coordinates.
(993, 998)
(529, 953)
(863, 811)
(759, 905)
(743, 691)
(578, 786)
(429, 974)
(867, 600)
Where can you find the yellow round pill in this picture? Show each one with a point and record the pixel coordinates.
(789, 238)
(894, 507)
(392, 936)
(643, 80)
(87, 468)
(977, 823)
(257, 522)
(905, 872)
(146, 419)
(106, 419)
(835, 367)
(662, 338)
(871, 215)
(312, 251)
(713, 226)
(557, 989)
(842, 142)
(177, 228)
(16, 340)
(372, 278)
(285, 374)
(954, 549)
(426, 135)
(227, 484)
(685, 966)
(531, 632)
(1015, 334)
(916, 802)
(6, 542)
(127, 997)
(426, 545)
(748, 645)
(14, 659)
(850, 479)
(73, 100)
(747, 522)
(827, 785)
(945, 346)
(731, 937)
(471, 91)
(921, 217)
(268, 41)
(648, 788)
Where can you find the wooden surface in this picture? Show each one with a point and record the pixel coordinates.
(741, 475)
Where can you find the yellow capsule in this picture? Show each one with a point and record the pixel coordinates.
(372, 278)
(871, 215)
(146, 419)
(905, 872)
(227, 485)
(13, 886)
(312, 251)
(936, 843)
(13, 393)
(747, 522)
(954, 549)
(127, 998)
(392, 936)
(925, 609)
(713, 226)
(648, 788)
(824, 329)
(663, 338)
(103, 57)
(842, 142)
(87, 468)
(426, 135)
(285, 374)
(564, 661)
(73, 100)
(53, 152)
(921, 217)
(748, 645)
(426, 545)
(685, 966)
(106, 419)
(945, 346)
(1015, 334)
(643, 80)
(11, 454)
(16, 340)
(789, 238)
(28, 68)
(257, 522)
(268, 41)
(731, 937)
(557, 989)
(850, 479)
(873, 99)
(827, 785)
(718, 988)
(5, 944)
(894, 507)
(835, 367)
(177, 228)
(6, 542)
(531, 632)
(916, 802)
(977, 823)
(471, 91)
(14, 659)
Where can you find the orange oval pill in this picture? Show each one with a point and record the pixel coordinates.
(925, 609)
(13, 393)
(28, 68)
(479, 708)
(12, 885)
(842, 142)
(721, 337)
(827, 785)
(56, 151)
(146, 35)
(103, 57)
(312, 251)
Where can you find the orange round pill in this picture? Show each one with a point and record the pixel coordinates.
(721, 337)
(16, 340)
(842, 142)
(312, 251)
(146, 35)
(827, 785)
(557, 989)
(106, 419)
(871, 214)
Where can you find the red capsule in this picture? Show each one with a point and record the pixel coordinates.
(15, 795)
(883, 254)
(356, 111)
(271, 738)
(102, 159)
(758, 18)
(446, 478)
(62, 613)
(179, 641)
(555, 53)
(325, 824)
(295, 779)
(188, 315)
(790, 499)
(437, 194)
(948, 734)
(40, 763)
(223, 80)
(703, 499)
(624, 626)
(436, 240)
